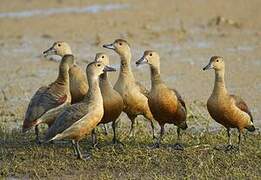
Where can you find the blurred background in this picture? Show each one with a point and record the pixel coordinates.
(185, 33)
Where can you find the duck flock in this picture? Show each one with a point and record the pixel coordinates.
(77, 102)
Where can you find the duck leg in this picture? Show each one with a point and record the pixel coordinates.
(105, 129)
(162, 131)
(178, 145)
(74, 148)
(239, 139)
(153, 129)
(229, 136)
(133, 124)
(94, 139)
(37, 138)
(229, 146)
(149, 116)
(115, 140)
(78, 152)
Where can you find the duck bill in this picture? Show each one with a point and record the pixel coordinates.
(142, 60)
(207, 67)
(109, 46)
(108, 69)
(50, 51)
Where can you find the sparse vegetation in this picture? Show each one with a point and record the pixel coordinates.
(20, 157)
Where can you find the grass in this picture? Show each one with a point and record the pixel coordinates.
(20, 157)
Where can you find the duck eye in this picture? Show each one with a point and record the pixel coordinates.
(102, 56)
(150, 54)
(217, 60)
(120, 44)
(59, 45)
(99, 65)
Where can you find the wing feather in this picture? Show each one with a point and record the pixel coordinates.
(68, 117)
(42, 101)
(182, 102)
(240, 103)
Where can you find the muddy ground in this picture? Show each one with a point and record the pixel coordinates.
(185, 33)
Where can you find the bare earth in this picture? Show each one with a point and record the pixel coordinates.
(185, 33)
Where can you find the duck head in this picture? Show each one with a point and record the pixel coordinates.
(95, 69)
(216, 62)
(102, 57)
(59, 48)
(120, 46)
(149, 57)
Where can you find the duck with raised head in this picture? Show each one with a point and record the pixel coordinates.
(166, 104)
(48, 101)
(78, 80)
(133, 94)
(231, 111)
(112, 100)
(79, 120)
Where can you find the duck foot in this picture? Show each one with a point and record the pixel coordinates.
(232, 148)
(154, 137)
(38, 141)
(155, 146)
(85, 157)
(226, 148)
(178, 146)
(229, 147)
(96, 146)
(117, 142)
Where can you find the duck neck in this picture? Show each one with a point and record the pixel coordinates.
(155, 75)
(94, 92)
(63, 76)
(219, 87)
(104, 81)
(66, 51)
(125, 65)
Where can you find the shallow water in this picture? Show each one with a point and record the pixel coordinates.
(65, 10)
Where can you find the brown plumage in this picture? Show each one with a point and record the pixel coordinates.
(112, 100)
(166, 104)
(49, 100)
(229, 110)
(78, 80)
(79, 120)
(134, 97)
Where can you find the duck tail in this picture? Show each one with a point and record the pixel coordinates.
(251, 128)
(49, 138)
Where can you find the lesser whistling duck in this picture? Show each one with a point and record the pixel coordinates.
(78, 120)
(112, 100)
(166, 104)
(133, 94)
(229, 110)
(78, 81)
(49, 100)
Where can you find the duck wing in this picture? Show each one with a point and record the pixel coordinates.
(68, 117)
(182, 102)
(42, 101)
(240, 103)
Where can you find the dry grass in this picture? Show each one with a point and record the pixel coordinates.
(20, 157)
